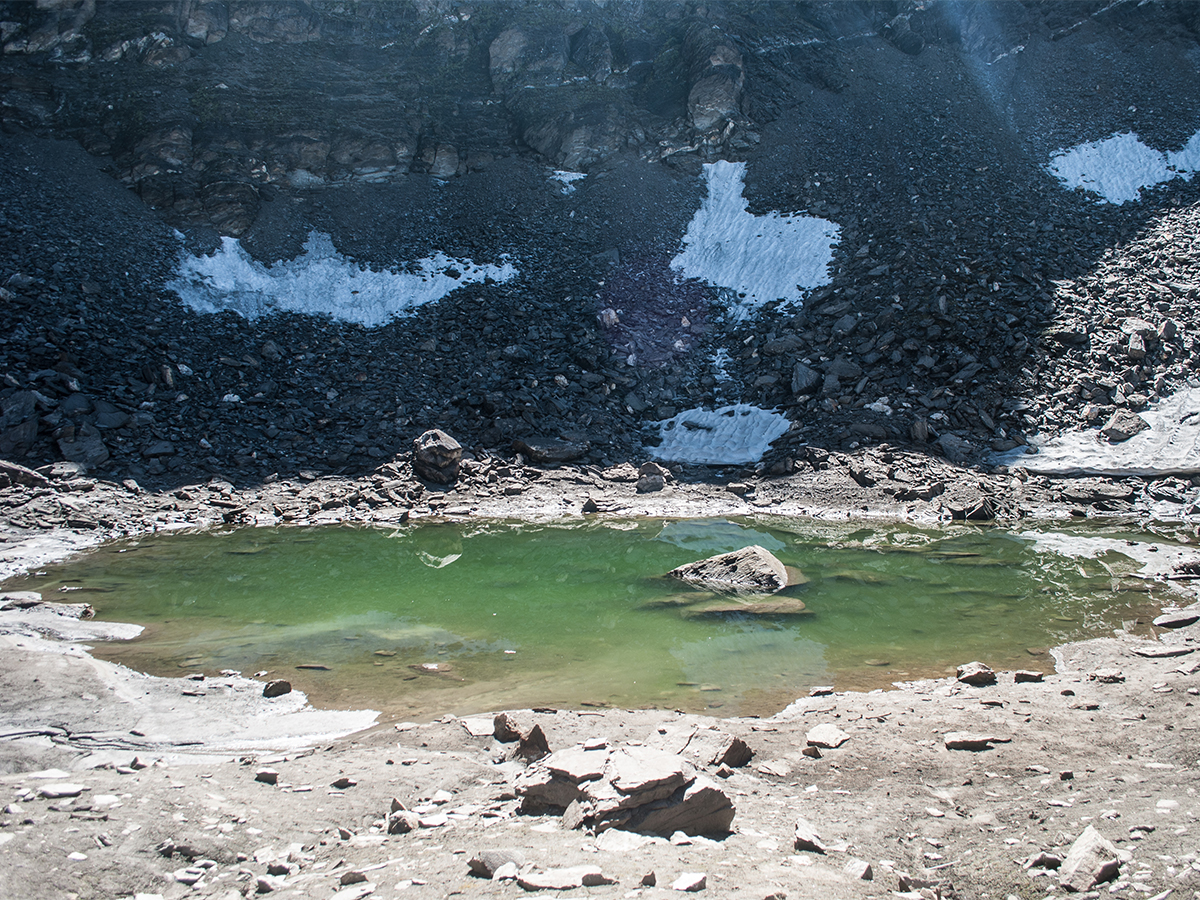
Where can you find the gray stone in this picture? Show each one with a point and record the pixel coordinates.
(437, 457)
(402, 822)
(277, 688)
(702, 808)
(690, 882)
(563, 879)
(1092, 860)
(970, 740)
(648, 484)
(1123, 425)
(826, 736)
(18, 424)
(86, 447)
(1107, 676)
(806, 837)
(804, 379)
(59, 790)
(485, 863)
(1178, 618)
(858, 868)
(550, 450)
(843, 368)
(976, 674)
(751, 570)
(266, 776)
(1027, 676)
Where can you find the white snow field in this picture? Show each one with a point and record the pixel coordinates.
(1119, 167)
(1170, 446)
(321, 281)
(731, 435)
(760, 258)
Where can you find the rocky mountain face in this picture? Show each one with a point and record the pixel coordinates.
(973, 300)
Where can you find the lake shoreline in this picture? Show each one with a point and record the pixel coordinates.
(1103, 709)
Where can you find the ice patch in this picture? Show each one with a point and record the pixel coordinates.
(567, 179)
(321, 282)
(1119, 167)
(761, 258)
(1170, 446)
(731, 435)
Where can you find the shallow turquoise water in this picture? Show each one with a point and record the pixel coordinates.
(430, 619)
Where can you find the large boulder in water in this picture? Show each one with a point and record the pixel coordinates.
(751, 570)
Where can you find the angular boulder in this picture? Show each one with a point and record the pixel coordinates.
(1092, 860)
(751, 570)
(437, 456)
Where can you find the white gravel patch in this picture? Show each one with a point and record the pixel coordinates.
(731, 435)
(321, 282)
(1118, 168)
(760, 258)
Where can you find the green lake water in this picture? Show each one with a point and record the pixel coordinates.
(461, 618)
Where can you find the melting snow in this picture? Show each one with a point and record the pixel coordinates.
(567, 179)
(731, 435)
(762, 258)
(1170, 446)
(321, 282)
(1119, 167)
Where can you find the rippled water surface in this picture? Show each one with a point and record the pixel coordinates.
(461, 618)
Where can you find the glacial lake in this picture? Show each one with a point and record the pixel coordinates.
(423, 620)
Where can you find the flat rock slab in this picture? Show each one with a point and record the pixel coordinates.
(563, 879)
(970, 740)
(61, 789)
(1178, 618)
(1162, 651)
(826, 736)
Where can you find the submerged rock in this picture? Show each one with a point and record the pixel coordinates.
(751, 570)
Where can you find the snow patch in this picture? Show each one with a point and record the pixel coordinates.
(731, 435)
(321, 282)
(1170, 446)
(760, 258)
(1119, 167)
(567, 179)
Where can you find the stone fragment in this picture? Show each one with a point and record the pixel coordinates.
(649, 484)
(277, 688)
(751, 570)
(577, 764)
(806, 837)
(736, 754)
(1027, 676)
(1107, 676)
(690, 882)
(402, 821)
(485, 863)
(1178, 618)
(266, 776)
(826, 736)
(59, 790)
(549, 451)
(976, 674)
(534, 744)
(1092, 860)
(701, 808)
(804, 379)
(1123, 425)
(970, 740)
(506, 729)
(356, 892)
(354, 876)
(858, 868)
(437, 457)
(563, 879)
(342, 783)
